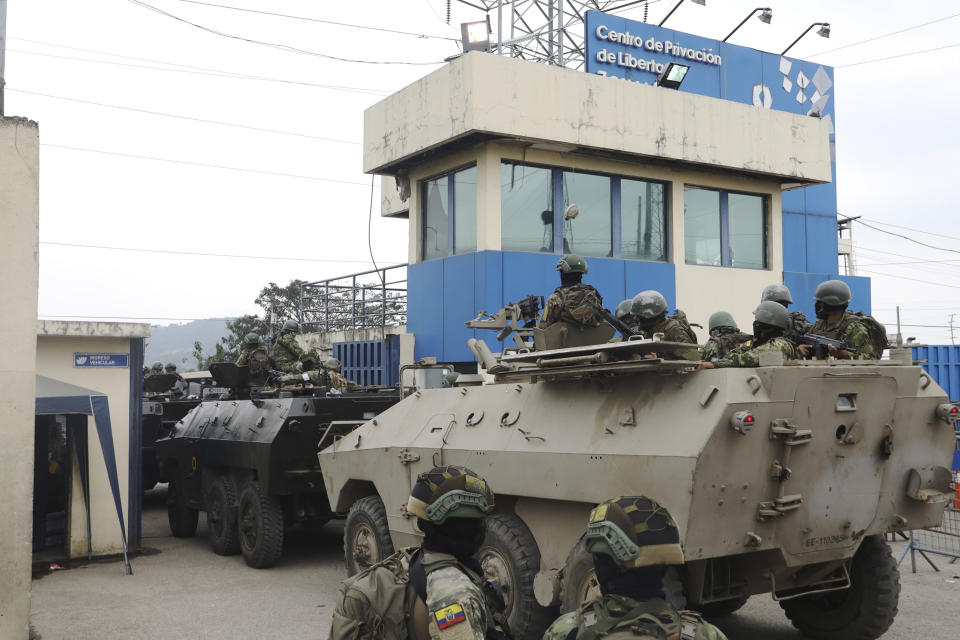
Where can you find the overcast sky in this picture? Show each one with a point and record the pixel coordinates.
(897, 141)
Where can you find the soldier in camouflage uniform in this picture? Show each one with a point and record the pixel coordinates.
(156, 369)
(286, 352)
(798, 322)
(572, 302)
(650, 311)
(772, 322)
(834, 321)
(256, 359)
(334, 379)
(725, 336)
(180, 386)
(633, 539)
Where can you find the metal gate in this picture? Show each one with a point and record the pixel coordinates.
(370, 362)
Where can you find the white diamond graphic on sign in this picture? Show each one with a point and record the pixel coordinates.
(761, 96)
(802, 80)
(822, 81)
(818, 104)
(787, 84)
(785, 66)
(816, 96)
(800, 97)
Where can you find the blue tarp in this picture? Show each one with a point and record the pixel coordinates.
(55, 397)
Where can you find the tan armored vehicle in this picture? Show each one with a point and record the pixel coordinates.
(783, 478)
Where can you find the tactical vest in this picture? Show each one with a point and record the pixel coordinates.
(578, 305)
(681, 318)
(876, 331)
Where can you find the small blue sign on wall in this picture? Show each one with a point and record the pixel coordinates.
(119, 360)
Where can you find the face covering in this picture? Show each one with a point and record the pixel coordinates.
(764, 332)
(642, 583)
(823, 311)
(460, 537)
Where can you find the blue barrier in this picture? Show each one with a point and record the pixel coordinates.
(370, 362)
(942, 362)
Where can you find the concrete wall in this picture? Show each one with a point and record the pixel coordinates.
(57, 342)
(19, 217)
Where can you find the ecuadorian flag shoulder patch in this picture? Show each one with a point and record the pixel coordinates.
(449, 616)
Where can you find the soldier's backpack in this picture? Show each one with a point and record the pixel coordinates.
(878, 333)
(578, 305)
(647, 621)
(681, 317)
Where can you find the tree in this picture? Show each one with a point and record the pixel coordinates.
(198, 354)
(280, 303)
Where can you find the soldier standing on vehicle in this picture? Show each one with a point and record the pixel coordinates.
(780, 293)
(725, 336)
(633, 540)
(256, 359)
(650, 310)
(450, 601)
(156, 369)
(772, 322)
(334, 379)
(286, 352)
(834, 321)
(572, 302)
(179, 388)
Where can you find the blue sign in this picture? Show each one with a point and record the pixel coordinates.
(100, 360)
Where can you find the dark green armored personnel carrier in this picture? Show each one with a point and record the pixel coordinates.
(249, 460)
(161, 409)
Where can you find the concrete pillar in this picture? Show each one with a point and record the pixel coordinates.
(19, 213)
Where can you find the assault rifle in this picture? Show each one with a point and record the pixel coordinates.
(821, 344)
(625, 330)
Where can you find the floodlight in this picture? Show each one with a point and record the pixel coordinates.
(702, 3)
(765, 16)
(571, 212)
(475, 36)
(672, 77)
(824, 32)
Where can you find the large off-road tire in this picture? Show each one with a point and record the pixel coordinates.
(510, 554)
(182, 519)
(722, 608)
(366, 535)
(862, 612)
(260, 524)
(579, 582)
(221, 504)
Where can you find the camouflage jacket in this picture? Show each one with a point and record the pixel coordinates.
(615, 616)
(798, 325)
(456, 606)
(850, 330)
(574, 304)
(722, 341)
(286, 352)
(258, 362)
(673, 331)
(748, 355)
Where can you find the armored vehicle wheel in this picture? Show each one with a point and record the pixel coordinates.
(721, 608)
(260, 523)
(862, 612)
(366, 535)
(182, 519)
(222, 516)
(580, 582)
(510, 554)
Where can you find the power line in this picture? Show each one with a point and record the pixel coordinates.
(172, 115)
(331, 22)
(896, 226)
(201, 164)
(275, 45)
(888, 275)
(900, 235)
(885, 35)
(901, 55)
(219, 74)
(204, 254)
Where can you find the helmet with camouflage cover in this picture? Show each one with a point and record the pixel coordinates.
(772, 313)
(776, 292)
(170, 368)
(332, 364)
(290, 326)
(634, 531)
(721, 319)
(450, 492)
(251, 339)
(833, 293)
(157, 367)
(572, 263)
(649, 304)
(309, 361)
(624, 309)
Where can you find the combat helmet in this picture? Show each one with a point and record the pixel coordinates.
(634, 531)
(772, 313)
(649, 304)
(721, 319)
(156, 367)
(450, 492)
(450, 380)
(170, 368)
(776, 292)
(833, 293)
(251, 339)
(572, 263)
(332, 364)
(290, 326)
(624, 309)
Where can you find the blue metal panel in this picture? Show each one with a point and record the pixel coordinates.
(860, 290)
(607, 276)
(821, 244)
(738, 62)
(793, 201)
(489, 281)
(794, 242)
(660, 276)
(525, 273)
(370, 362)
(822, 198)
(425, 307)
(942, 362)
(458, 304)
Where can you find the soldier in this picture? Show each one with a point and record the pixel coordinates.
(772, 322)
(156, 369)
(256, 359)
(725, 336)
(450, 380)
(633, 539)
(286, 352)
(650, 310)
(573, 301)
(780, 293)
(179, 388)
(334, 379)
(450, 504)
(834, 321)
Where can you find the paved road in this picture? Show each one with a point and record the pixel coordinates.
(180, 589)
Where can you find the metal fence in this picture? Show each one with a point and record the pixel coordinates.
(365, 300)
(942, 362)
(942, 540)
